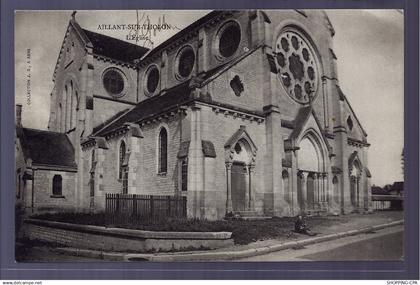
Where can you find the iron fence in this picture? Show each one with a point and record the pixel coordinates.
(121, 209)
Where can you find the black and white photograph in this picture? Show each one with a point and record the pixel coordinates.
(209, 135)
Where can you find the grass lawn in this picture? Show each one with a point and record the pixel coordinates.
(243, 231)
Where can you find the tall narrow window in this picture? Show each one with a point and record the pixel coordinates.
(74, 109)
(336, 193)
(184, 175)
(286, 186)
(57, 185)
(125, 181)
(71, 106)
(93, 158)
(121, 160)
(18, 183)
(163, 151)
(65, 108)
(60, 117)
(92, 175)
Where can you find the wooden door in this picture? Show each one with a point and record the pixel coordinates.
(238, 186)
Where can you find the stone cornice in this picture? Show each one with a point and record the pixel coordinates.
(114, 61)
(92, 141)
(357, 143)
(37, 166)
(237, 114)
(170, 113)
(114, 99)
(181, 110)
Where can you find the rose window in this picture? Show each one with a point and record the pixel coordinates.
(296, 64)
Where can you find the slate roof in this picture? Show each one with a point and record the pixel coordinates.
(172, 98)
(114, 48)
(376, 190)
(112, 118)
(343, 97)
(47, 148)
(176, 96)
(186, 30)
(398, 187)
(300, 120)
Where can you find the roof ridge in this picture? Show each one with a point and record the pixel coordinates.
(224, 66)
(106, 36)
(45, 131)
(149, 101)
(341, 93)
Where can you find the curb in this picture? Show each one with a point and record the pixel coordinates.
(213, 256)
(106, 256)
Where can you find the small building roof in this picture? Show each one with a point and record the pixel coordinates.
(376, 190)
(46, 148)
(398, 186)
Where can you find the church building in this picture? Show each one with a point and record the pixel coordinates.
(240, 112)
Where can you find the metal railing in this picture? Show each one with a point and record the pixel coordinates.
(121, 209)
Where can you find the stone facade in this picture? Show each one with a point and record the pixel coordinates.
(256, 125)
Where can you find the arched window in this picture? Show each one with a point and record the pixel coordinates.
(93, 157)
(70, 106)
(60, 118)
(18, 183)
(65, 100)
(57, 187)
(74, 109)
(92, 174)
(121, 159)
(184, 175)
(336, 194)
(163, 151)
(286, 185)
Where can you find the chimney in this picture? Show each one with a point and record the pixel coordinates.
(18, 115)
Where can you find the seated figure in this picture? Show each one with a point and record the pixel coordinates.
(301, 227)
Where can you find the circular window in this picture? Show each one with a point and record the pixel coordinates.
(152, 80)
(185, 62)
(296, 63)
(229, 39)
(114, 82)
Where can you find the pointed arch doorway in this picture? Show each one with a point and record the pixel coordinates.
(240, 177)
(240, 165)
(312, 177)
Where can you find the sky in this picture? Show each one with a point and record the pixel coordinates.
(369, 45)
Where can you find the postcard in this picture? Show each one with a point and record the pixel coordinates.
(197, 135)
